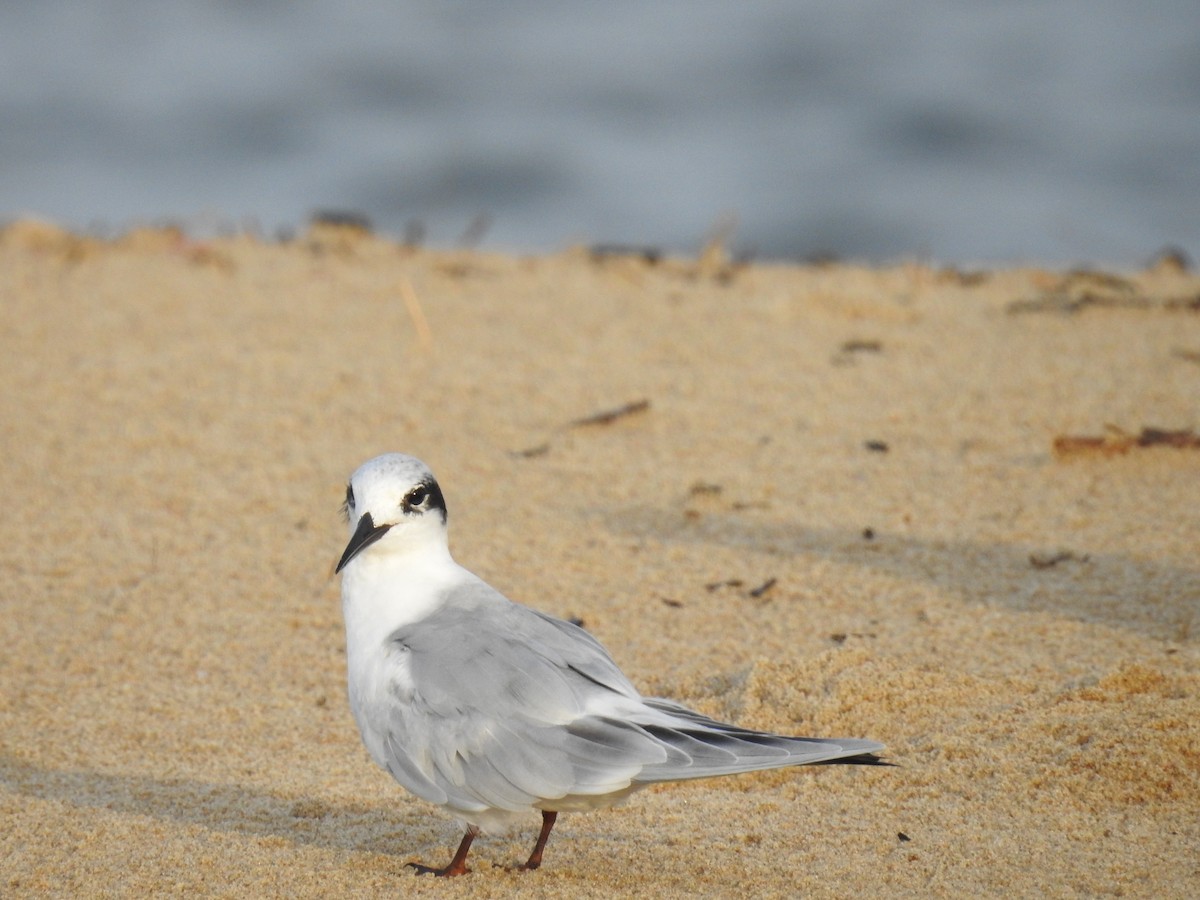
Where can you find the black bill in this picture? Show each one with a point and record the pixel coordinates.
(364, 536)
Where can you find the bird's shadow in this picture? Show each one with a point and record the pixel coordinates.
(1159, 600)
(227, 808)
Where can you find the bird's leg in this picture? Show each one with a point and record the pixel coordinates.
(458, 865)
(535, 858)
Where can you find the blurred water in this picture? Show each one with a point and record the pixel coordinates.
(1055, 131)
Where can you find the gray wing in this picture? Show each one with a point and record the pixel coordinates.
(510, 708)
(701, 747)
(498, 715)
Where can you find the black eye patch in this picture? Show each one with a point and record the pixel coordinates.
(425, 496)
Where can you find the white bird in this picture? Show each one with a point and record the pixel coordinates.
(491, 709)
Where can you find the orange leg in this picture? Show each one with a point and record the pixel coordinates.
(458, 865)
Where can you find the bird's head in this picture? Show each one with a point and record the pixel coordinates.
(393, 504)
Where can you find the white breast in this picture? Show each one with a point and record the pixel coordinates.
(378, 597)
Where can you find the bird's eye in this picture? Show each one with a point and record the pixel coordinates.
(417, 496)
(349, 496)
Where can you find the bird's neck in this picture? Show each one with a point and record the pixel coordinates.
(384, 591)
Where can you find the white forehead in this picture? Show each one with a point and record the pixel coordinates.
(392, 471)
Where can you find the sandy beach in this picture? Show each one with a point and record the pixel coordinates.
(957, 512)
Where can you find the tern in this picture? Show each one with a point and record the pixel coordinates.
(493, 710)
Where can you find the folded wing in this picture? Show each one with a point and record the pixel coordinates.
(492, 723)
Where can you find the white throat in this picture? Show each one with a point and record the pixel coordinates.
(382, 591)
